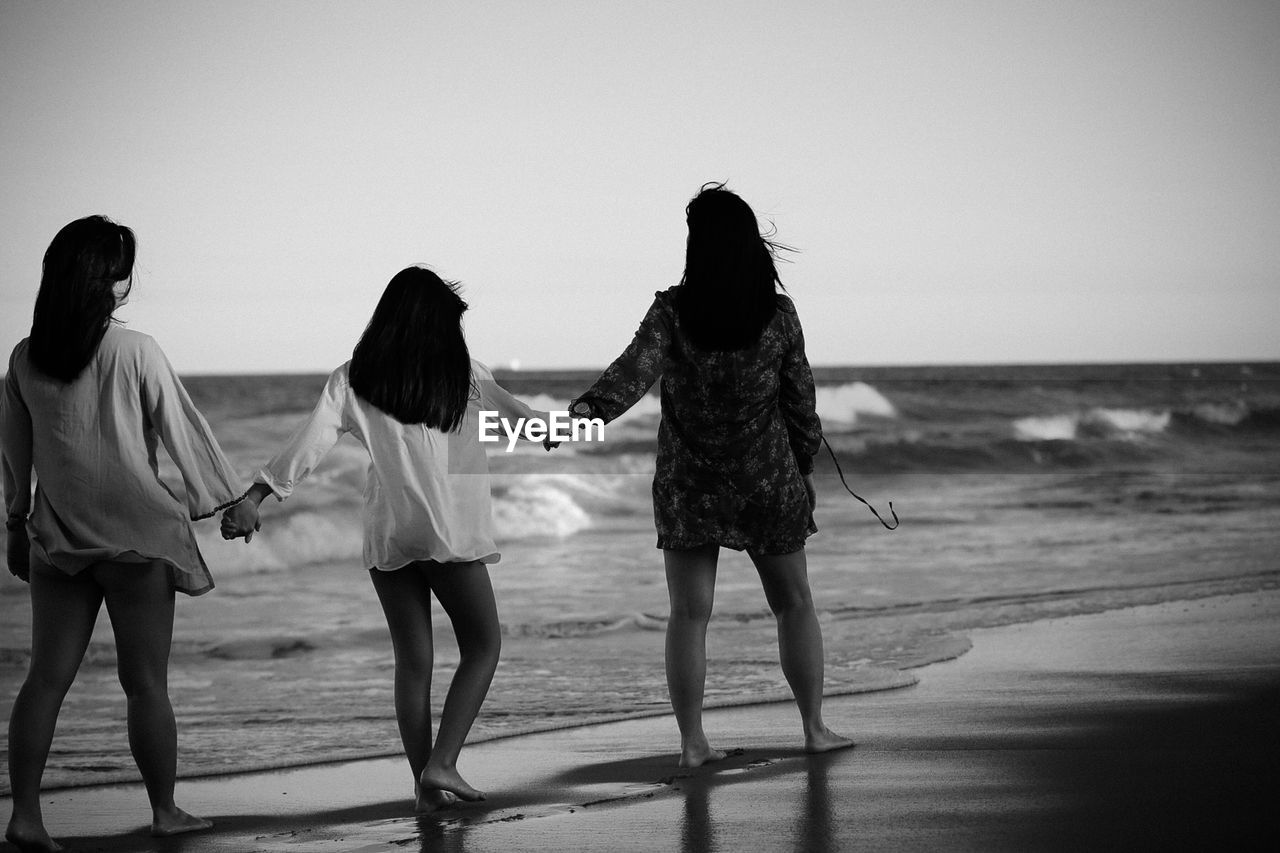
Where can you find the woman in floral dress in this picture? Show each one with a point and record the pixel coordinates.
(735, 451)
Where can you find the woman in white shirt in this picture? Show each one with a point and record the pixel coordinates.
(85, 405)
(411, 395)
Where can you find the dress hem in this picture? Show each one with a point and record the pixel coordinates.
(772, 549)
(487, 559)
(175, 571)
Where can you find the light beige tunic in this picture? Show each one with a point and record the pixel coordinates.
(92, 446)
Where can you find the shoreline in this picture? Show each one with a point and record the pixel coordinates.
(1018, 740)
(890, 680)
(952, 642)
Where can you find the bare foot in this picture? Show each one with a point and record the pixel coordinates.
(428, 800)
(825, 740)
(30, 838)
(696, 755)
(174, 821)
(448, 779)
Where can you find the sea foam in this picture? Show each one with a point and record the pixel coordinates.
(844, 404)
(1221, 414)
(1092, 423)
(535, 507)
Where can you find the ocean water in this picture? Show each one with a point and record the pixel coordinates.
(1024, 492)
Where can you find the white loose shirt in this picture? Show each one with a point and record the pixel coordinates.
(92, 443)
(427, 494)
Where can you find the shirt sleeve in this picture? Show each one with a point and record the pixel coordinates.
(211, 481)
(15, 446)
(797, 399)
(633, 373)
(493, 397)
(310, 442)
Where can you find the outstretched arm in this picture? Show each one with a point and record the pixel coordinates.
(211, 481)
(307, 446)
(633, 373)
(495, 398)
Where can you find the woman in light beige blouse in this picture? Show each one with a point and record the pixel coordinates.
(86, 403)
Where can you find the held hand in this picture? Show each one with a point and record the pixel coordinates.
(241, 520)
(548, 444)
(18, 552)
(811, 492)
(579, 412)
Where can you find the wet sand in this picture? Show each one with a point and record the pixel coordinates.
(1146, 728)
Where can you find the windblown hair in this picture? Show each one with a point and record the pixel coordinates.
(728, 293)
(412, 360)
(76, 299)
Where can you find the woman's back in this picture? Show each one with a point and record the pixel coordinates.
(726, 399)
(736, 443)
(738, 430)
(93, 446)
(86, 428)
(427, 495)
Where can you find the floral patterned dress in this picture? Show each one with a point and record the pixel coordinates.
(738, 431)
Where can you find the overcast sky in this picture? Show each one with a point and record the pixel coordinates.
(967, 181)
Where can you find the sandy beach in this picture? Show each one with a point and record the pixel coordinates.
(1148, 728)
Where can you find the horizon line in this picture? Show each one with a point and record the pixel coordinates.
(510, 372)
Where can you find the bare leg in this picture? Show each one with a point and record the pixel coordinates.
(140, 602)
(63, 610)
(691, 584)
(406, 602)
(465, 593)
(786, 585)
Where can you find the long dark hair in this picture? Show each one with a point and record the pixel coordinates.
(728, 293)
(77, 297)
(412, 360)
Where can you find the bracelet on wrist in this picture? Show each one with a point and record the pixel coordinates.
(13, 522)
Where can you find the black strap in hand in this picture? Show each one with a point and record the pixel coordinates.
(896, 523)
